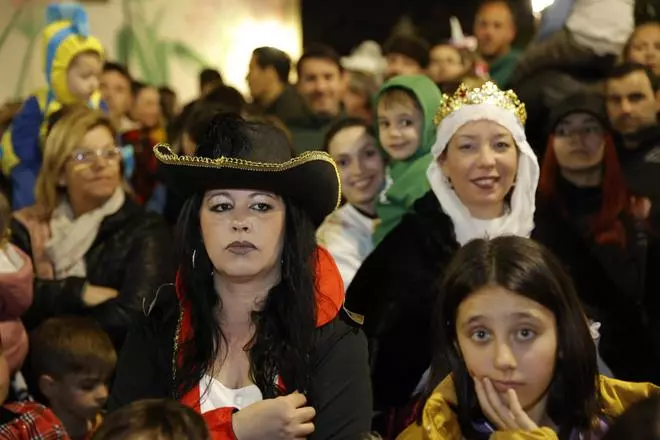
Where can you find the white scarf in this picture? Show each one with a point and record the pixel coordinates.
(72, 237)
(519, 219)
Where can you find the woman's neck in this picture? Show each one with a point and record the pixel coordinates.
(369, 209)
(81, 206)
(584, 178)
(487, 212)
(240, 297)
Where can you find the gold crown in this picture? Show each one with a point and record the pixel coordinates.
(488, 93)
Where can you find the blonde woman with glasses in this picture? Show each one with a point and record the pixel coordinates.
(95, 251)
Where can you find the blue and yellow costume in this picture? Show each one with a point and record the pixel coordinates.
(65, 36)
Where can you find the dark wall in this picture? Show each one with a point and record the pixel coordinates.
(345, 23)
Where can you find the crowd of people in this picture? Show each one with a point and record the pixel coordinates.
(412, 241)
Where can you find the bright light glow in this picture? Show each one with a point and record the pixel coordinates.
(251, 34)
(539, 5)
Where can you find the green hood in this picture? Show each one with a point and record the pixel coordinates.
(408, 177)
(428, 96)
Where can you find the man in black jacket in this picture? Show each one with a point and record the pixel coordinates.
(268, 80)
(632, 106)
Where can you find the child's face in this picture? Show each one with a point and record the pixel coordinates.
(83, 76)
(445, 64)
(509, 339)
(645, 47)
(82, 395)
(146, 109)
(399, 128)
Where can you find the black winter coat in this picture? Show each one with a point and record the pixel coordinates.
(618, 287)
(641, 165)
(396, 290)
(132, 254)
(340, 389)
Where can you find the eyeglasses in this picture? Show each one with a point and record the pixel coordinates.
(580, 131)
(84, 155)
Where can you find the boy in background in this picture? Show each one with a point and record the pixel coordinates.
(160, 419)
(72, 360)
(405, 107)
(25, 420)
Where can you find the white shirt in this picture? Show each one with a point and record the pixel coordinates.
(603, 26)
(214, 395)
(346, 234)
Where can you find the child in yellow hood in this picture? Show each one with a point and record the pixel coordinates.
(73, 64)
(522, 362)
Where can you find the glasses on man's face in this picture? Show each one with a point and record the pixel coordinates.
(85, 155)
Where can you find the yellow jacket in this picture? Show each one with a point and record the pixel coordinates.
(439, 422)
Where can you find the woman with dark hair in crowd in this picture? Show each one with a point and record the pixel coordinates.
(587, 216)
(347, 232)
(522, 357)
(249, 336)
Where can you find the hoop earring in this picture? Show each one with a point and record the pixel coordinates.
(194, 255)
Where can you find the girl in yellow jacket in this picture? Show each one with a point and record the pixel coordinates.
(514, 356)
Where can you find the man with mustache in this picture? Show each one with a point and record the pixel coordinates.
(631, 93)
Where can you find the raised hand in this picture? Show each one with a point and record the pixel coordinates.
(505, 415)
(284, 418)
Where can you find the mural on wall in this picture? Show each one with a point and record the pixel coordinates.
(163, 42)
(26, 20)
(143, 46)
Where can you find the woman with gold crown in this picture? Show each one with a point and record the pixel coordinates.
(483, 180)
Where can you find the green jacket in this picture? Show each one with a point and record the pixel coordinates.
(501, 69)
(407, 178)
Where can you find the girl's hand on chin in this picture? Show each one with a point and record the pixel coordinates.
(506, 416)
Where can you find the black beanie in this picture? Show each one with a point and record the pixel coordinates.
(590, 103)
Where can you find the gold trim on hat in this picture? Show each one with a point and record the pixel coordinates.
(172, 158)
(488, 93)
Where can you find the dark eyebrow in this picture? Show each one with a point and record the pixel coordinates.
(518, 315)
(472, 320)
(215, 193)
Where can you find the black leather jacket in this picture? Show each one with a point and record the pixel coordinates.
(132, 253)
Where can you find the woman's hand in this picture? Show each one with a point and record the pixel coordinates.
(95, 295)
(505, 416)
(284, 417)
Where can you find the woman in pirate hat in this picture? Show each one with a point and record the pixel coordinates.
(249, 335)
